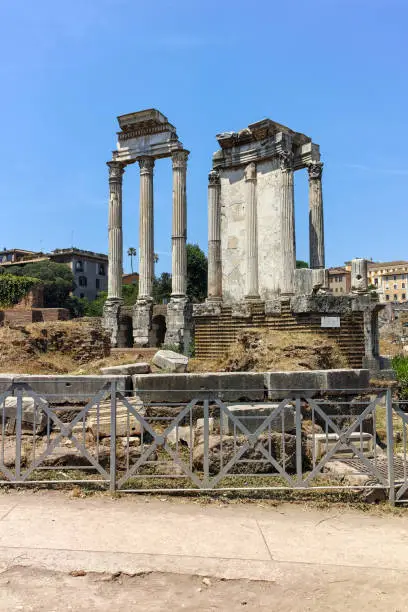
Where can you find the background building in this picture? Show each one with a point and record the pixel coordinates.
(340, 279)
(90, 269)
(390, 278)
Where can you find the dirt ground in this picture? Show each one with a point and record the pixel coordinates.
(37, 590)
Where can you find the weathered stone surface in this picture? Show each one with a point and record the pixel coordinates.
(132, 441)
(230, 445)
(126, 422)
(228, 386)
(323, 443)
(179, 323)
(30, 414)
(61, 389)
(200, 425)
(281, 384)
(181, 435)
(127, 369)
(252, 416)
(170, 361)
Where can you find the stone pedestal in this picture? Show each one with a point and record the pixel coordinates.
(179, 323)
(316, 225)
(359, 276)
(111, 319)
(142, 321)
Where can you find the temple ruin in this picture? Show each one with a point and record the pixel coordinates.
(252, 275)
(144, 137)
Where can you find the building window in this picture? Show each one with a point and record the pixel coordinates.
(403, 296)
(395, 286)
(395, 278)
(387, 297)
(395, 297)
(403, 285)
(341, 289)
(98, 283)
(376, 281)
(101, 269)
(79, 266)
(81, 295)
(82, 281)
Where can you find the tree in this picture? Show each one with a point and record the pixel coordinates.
(301, 264)
(155, 258)
(197, 268)
(132, 253)
(57, 279)
(162, 288)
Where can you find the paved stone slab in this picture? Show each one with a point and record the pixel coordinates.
(61, 389)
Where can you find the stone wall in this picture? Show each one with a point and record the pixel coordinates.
(214, 334)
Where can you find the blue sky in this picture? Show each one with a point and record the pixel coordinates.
(333, 69)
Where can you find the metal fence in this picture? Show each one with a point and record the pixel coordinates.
(292, 440)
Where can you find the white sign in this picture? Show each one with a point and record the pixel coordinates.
(330, 322)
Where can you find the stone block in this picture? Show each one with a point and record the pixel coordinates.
(126, 422)
(181, 435)
(323, 444)
(31, 413)
(127, 369)
(226, 386)
(281, 384)
(252, 416)
(170, 361)
(62, 389)
(200, 425)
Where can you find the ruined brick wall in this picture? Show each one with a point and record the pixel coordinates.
(213, 335)
(33, 299)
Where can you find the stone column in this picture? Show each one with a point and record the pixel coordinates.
(146, 231)
(143, 309)
(251, 227)
(115, 234)
(179, 311)
(179, 225)
(214, 237)
(316, 224)
(287, 207)
(111, 311)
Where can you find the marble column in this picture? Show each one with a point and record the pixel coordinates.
(114, 301)
(316, 225)
(115, 234)
(179, 225)
(287, 208)
(146, 228)
(214, 237)
(251, 227)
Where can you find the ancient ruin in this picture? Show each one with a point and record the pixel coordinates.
(144, 137)
(252, 275)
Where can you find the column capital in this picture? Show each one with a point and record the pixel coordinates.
(214, 177)
(286, 160)
(315, 170)
(179, 159)
(146, 164)
(250, 172)
(116, 170)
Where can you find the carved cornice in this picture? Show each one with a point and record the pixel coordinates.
(286, 159)
(146, 164)
(179, 159)
(214, 178)
(315, 170)
(116, 170)
(250, 172)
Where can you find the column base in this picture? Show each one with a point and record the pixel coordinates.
(252, 298)
(179, 323)
(111, 319)
(142, 322)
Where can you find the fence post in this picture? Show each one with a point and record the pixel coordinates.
(299, 454)
(390, 445)
(112, 483)
(19, 418)
(206, 443)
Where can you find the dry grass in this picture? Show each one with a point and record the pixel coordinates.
(260, 350)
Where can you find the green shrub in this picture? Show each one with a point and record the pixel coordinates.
(15, 288)
(400, 365)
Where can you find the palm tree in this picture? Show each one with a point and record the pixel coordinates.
(132, 253)
(155, 258)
